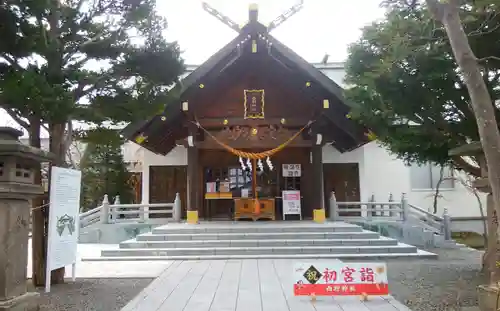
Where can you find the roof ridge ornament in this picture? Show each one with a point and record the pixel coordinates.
(285, 16)
(253, 15)
(223, 18)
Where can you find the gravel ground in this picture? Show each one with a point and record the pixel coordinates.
(92, 294)
(443, 284)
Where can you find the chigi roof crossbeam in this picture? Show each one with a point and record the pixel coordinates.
(253, 16)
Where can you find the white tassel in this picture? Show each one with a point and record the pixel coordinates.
(243, 167)
(260, 165)
(269, 164)
(249, 164)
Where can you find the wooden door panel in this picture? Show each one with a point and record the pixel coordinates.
(164, 183)
(343, 179)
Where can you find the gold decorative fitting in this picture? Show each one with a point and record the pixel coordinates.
(225, 122)
(326, 103)
(202, 85)
(253, 7)
(308, 84)
(348, 116)
(140, 139)
(254, 131)
(254, 46)
(371, 136)
(163, 118)
(254, 104)
(283, 121)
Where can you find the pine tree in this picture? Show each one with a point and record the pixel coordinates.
(103, 169)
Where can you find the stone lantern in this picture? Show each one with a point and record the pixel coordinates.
(18, 163)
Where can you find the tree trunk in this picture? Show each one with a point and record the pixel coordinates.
(492, 254)
(57, 147)
(481, 102)
(38, 237)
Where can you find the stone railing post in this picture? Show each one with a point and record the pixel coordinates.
(370, 207)
(333, 208)
(405, 207)
(446, 225)
(176, 211)
(105, 210)
(18, 186)
(142, 212)
(113, 210)
(391, 199)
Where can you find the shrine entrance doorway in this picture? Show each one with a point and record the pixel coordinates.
(220, 166)
(343, 179)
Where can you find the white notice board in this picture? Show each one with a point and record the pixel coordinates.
(291, 203)
(64, 220)
(291, 170)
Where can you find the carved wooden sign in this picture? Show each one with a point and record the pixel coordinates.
(254, 104)
(257, 133)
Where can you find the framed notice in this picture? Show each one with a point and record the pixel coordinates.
(291, 170)
(64, 220)
(337, 278)
(291, 203)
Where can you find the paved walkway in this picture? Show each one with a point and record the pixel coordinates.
(240, 285)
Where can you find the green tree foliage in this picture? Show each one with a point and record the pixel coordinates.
(103, 169)
(87, 60)
(407, 86)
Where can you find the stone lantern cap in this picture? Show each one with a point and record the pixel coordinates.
(18, 165)
(11, 146)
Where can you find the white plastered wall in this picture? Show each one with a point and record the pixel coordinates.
(381, 174)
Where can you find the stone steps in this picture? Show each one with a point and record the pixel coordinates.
(362, 234)
(420, 254)
(260, 240)
(265, 227)
(204, 251)
(254, 243)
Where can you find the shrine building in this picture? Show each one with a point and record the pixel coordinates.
(255, 121)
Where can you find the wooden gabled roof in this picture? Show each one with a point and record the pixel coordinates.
(159, 133)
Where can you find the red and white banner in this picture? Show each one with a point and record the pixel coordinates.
(340, 279)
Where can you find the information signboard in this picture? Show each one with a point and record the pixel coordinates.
(64, 220)
(291, 202)
(291, 170)
(340, 279)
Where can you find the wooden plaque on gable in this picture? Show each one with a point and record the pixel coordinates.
(254, 104)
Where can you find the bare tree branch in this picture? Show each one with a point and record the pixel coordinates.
(488, 57)
(461, 163)
(17, 118)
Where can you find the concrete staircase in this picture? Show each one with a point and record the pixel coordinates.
(244, 240)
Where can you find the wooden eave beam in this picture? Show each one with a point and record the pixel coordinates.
(311, 94)
(219, 122)
(332, 134)
(212, 72)
(211, 91)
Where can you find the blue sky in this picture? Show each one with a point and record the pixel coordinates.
(321, 27)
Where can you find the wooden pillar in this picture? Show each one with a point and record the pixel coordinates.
(193, 189)
(317, 191)
(317, 176)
